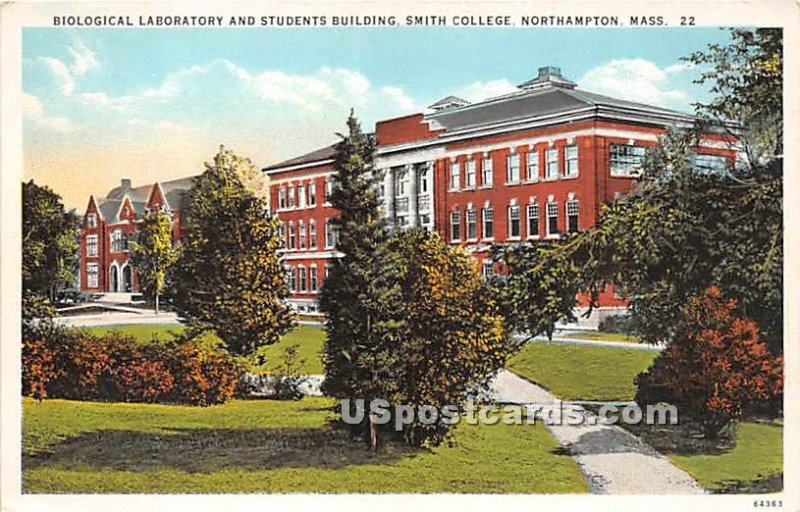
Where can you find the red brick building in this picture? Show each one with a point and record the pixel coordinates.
(109, 223)
(530, 165)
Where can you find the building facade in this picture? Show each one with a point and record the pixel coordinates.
(108, 224)
(531, 165)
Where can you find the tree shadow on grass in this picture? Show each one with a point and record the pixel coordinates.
(206, 450)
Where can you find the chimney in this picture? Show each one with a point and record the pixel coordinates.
(548, 76)
(125, 184)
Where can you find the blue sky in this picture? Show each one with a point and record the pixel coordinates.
(103, 104)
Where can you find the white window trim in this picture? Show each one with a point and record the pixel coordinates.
(538, 234)
(549, 235)
(490, 183)
(519, 222)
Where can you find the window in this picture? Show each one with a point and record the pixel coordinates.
(312, 278)
(533, 165)
(119, 242)
(455, 176)
(282, 234)
(91, 220)
(424, 181)
(472, 224)
(552, 164)
(302, 234)
(512, 170)
(301, 278)
(312, 234)
(292, 236)
(455, 225)
(709, 163)
(91, 275)
(513, 221)
(91, 245)
(533, 220)
(327, 270)
(292, 279)
(282, 198)
(301, 196)
(486, 172)
(312, 194)
(572, 161)
(626, 159)
(328, 189)
(470, 174)
(400, 183)
(330, 236)
(487, 268)
(291, 197)
(552, 219)
(488, 222)
(572, 216)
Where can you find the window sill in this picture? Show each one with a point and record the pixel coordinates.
(490, 239)
(570, 177)
(513, 183)
(531, 182)
(486, 187)
(534, 237)
(551, 179)
(454, 190)
(553, 237)
(469, 187)
(513, 239)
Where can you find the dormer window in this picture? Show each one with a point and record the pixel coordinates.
(91, 220)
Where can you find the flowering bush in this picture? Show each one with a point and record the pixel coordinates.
(715, 369)
(202, 377)
(37, 368)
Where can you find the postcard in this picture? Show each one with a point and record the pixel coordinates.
(399, 255)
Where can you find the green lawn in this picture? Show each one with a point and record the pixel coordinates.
(758, 453)
(268, 446)
(603, 336)
(308, 337)
(581, 372)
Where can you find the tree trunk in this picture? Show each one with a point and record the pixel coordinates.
(156, 304)
(373, 433)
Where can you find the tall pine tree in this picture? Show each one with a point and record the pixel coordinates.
(229, 277)
(358, 294)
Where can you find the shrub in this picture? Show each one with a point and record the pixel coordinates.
(202, 377)
(715, 369)
(286, 384)
(76, 365)
(38, 368)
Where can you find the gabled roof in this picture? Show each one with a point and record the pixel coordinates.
(174, 192)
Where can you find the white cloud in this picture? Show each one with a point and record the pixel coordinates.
(478, 91)
(83, 58)
(33, 109)
(61, 74)
(637, 80)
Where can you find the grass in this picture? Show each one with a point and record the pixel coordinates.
(581, 372)
(603, 336)
(750, 461)
(248, 446)
(751, 465)
(308, 337)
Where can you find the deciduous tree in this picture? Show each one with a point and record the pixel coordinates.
(154, 253)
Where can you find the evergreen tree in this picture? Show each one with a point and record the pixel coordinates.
(229, 277)
(154, 253)
(358, 294)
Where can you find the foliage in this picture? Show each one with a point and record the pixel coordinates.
(287, 377)
(715, 369)
(153, 253)
(358, 295)
(746, 80)
(450, 337)
(77, 365)
(229, 277)
(49, 241)
(539, 288)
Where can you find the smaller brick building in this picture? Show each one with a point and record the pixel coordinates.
(108, 224)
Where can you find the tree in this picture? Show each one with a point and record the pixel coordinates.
(358, 294)
(715, 369)
(450, 335)
(539, 287)
(229, 277)
(154, 253)
(49, 241)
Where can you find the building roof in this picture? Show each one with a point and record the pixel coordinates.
(533, 103)
(326, 153)
(174, 192)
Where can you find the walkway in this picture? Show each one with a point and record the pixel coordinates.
(559, 340)
(613, 460)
